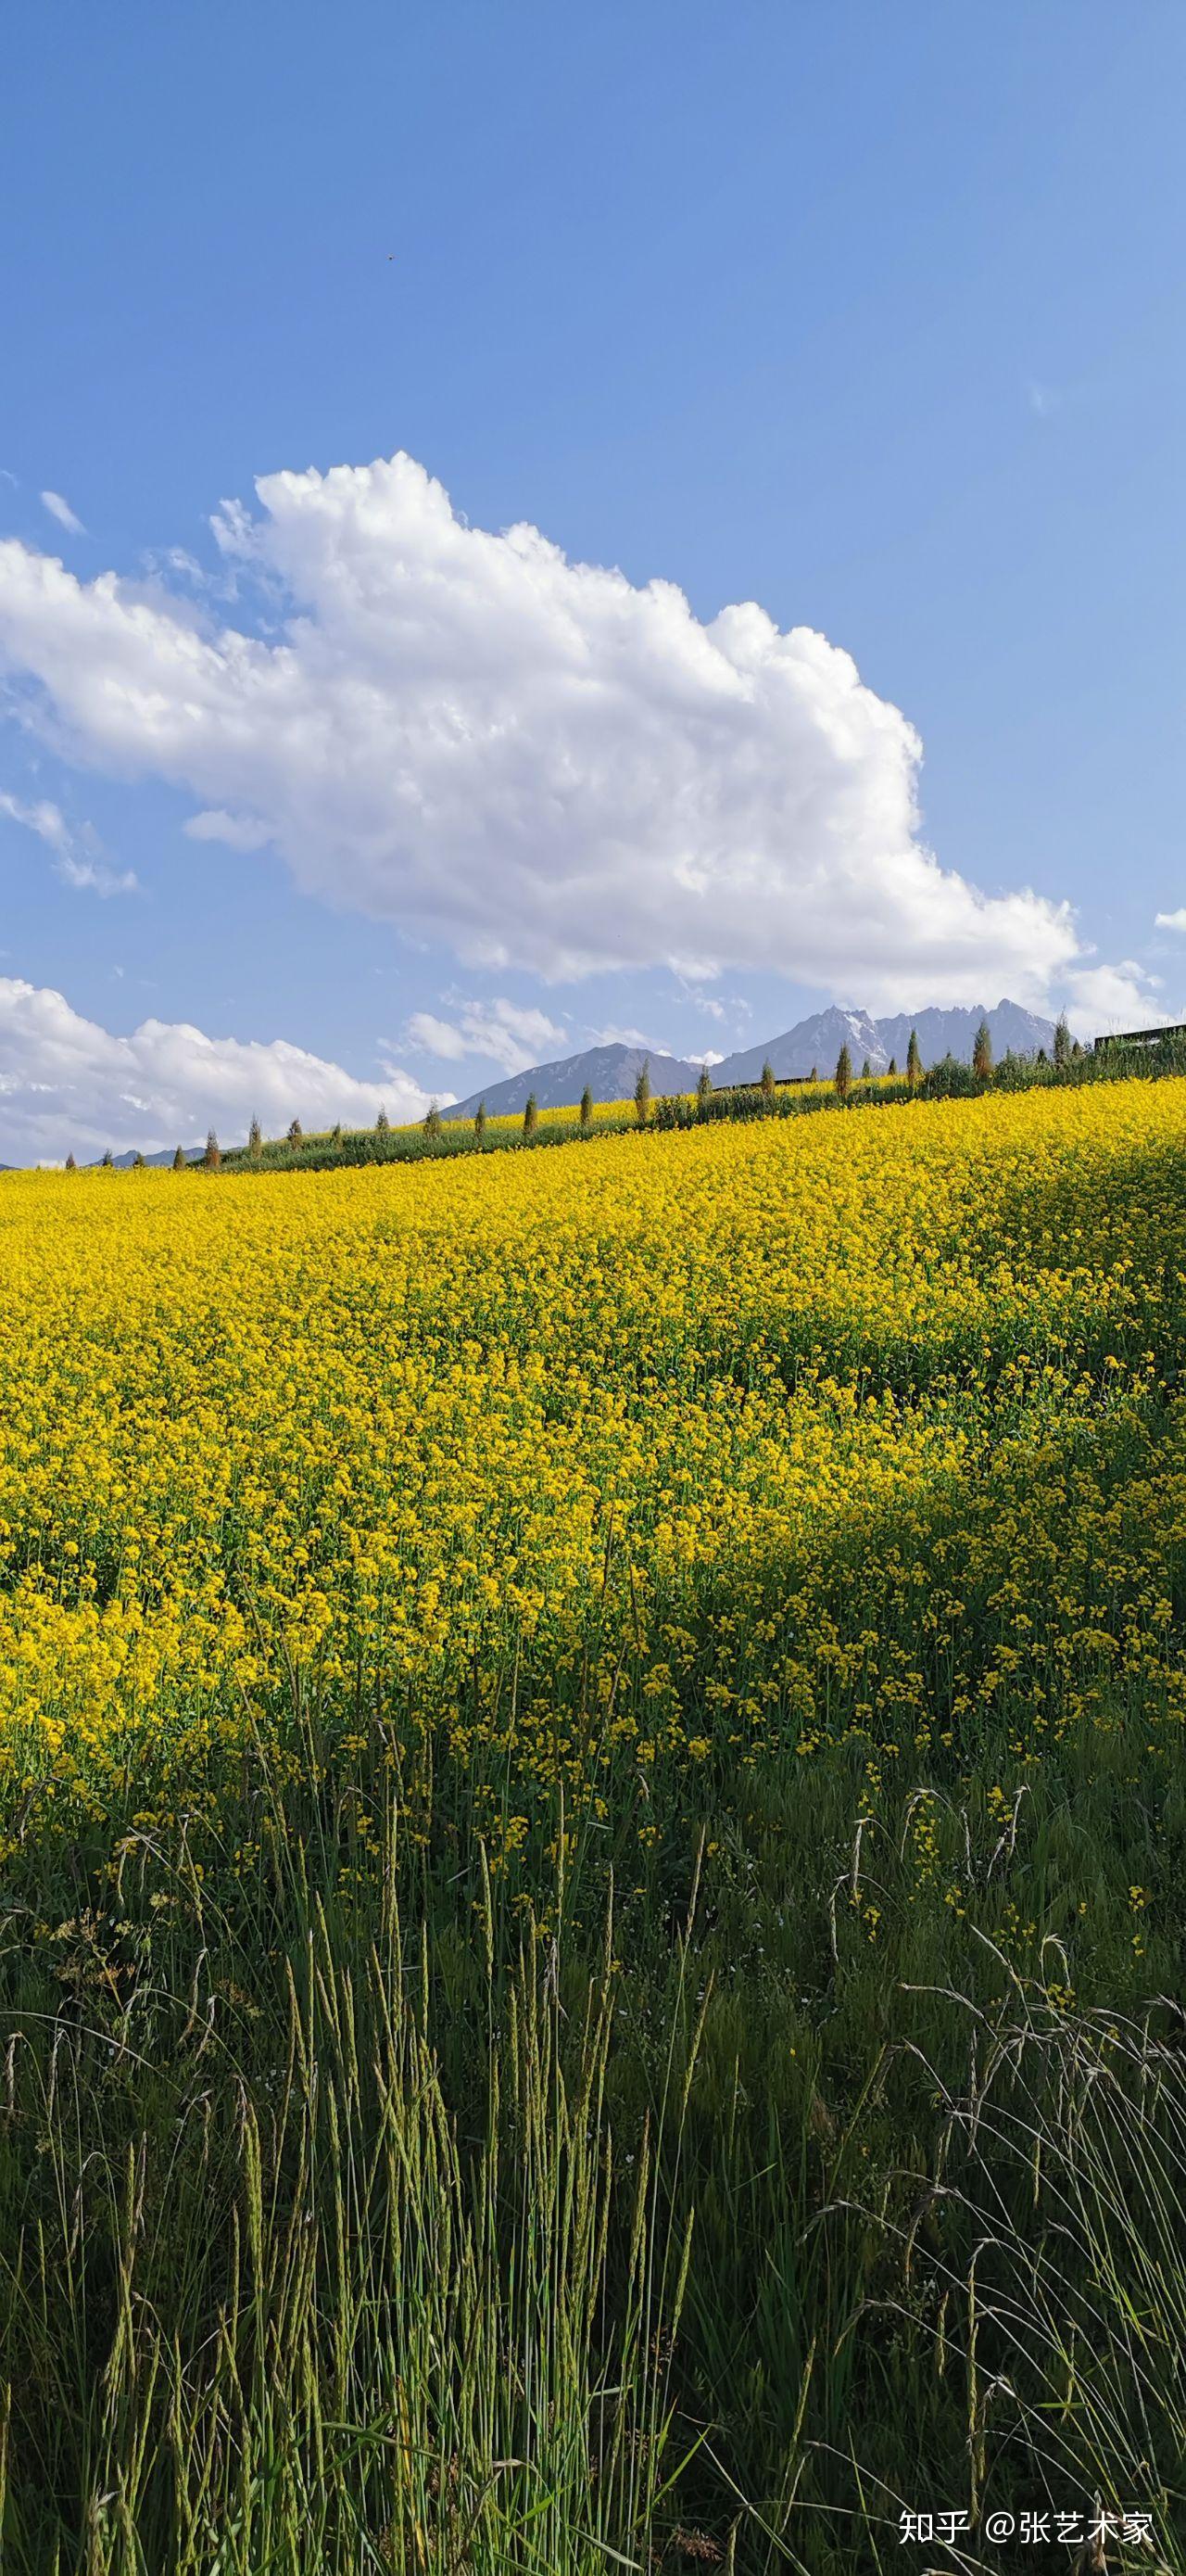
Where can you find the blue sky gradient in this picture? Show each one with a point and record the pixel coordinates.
(873, 316)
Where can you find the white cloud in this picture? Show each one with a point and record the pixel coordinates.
(79, 855)
(615, 1036)
(45, 819)
(510, 1034)
(68, 1085)
(236, 831)
(1108, 998)
(534, 760)
(1171, 920)
(61, 511)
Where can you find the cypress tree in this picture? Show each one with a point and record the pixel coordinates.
(813, 1076)
(296, 1133)
(530, 1117)
(137, 1162)
(843, 1074)
(866, 1070)
(382, 1123)
(255, 1142)
(913, 1061)
(586, 1109)
(642, 1093)
(432, 1123)
(108, 1160)
(179, 1162)
(1062, 1043)
(335, 1133)
(768, 1080)
(212, 1157)
(982, 1053)
(892, 1066)
(71, 1165)
(480, 1123)
(703, 1092)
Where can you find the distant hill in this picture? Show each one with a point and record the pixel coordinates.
(610, 1072)
(158, 1162)
(818, 1041)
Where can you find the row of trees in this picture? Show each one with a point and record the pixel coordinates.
(1065, 1051)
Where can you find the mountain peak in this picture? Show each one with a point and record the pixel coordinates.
(611, 1071)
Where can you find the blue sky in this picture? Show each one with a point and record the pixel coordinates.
(870, 316)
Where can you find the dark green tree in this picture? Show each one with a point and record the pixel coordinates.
(913, 1061)
(1062, 1043)
(642, 1093)
(71, 1165)
(768, 1085)
(179, 1161)
(296, 1133)
(212, 1156)
(382, 1124)
(586, 1109)
(255, 1142)
(432, 1123)
(982, 1053)
(843, 1075)
(480, 1123)
(108, 1160)
(892, 1066)
(530, 1116)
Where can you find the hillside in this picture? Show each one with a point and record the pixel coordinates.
(619, 1711)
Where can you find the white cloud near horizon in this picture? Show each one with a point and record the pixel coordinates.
(1107, 998)
(511, 1034)
(61, 511)
(1170, 920)
(535, 761)
(68, 1085)
(78, 856)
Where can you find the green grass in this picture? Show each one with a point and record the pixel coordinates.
(359, 2213)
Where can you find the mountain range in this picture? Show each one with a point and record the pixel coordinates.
(610, 1072)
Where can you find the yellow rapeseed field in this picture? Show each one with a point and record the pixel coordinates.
(604, 1462)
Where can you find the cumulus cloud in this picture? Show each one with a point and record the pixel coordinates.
(68, 1085)
(61, 511)
(1106, 998)
(78, 855)
(510, 1034)
(536, 761)
(1171, 920)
